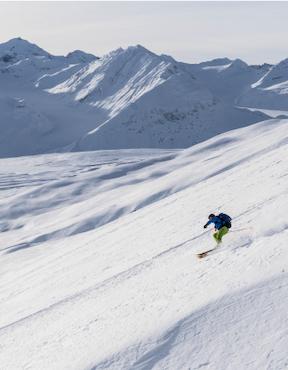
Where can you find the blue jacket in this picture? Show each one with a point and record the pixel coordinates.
(217, 222)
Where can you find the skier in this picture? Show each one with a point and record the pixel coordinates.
(222, 224)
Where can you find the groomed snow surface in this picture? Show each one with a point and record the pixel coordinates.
(98, 257)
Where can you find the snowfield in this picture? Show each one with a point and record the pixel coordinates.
(98, 257)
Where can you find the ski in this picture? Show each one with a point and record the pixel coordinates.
(204, 254)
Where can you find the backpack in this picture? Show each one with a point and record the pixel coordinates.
(225, 219)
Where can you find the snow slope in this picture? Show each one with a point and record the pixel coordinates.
(129, 98)
(98, 266)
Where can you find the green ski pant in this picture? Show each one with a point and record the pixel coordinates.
(219, 234)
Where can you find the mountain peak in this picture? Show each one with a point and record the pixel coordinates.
(216, 62)
(139, 49)
(79, 56)
(133, 51)
(18, 48)
(239, 63)
(18, 42)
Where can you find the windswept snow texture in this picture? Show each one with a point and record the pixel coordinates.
(98, 257)
(129, 98)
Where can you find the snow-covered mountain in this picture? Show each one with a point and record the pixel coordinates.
(79, 56)
(18, 49)
(150, 101)
(270, 91)
(130, 98)
(31, 120)
(98, 265)
(229, 79)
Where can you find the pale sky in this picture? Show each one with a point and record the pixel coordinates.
(256, 32)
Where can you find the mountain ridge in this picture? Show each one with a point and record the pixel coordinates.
(127, 98)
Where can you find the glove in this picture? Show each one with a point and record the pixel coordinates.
(205, 226)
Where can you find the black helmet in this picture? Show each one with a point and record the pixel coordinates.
(211, 216)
